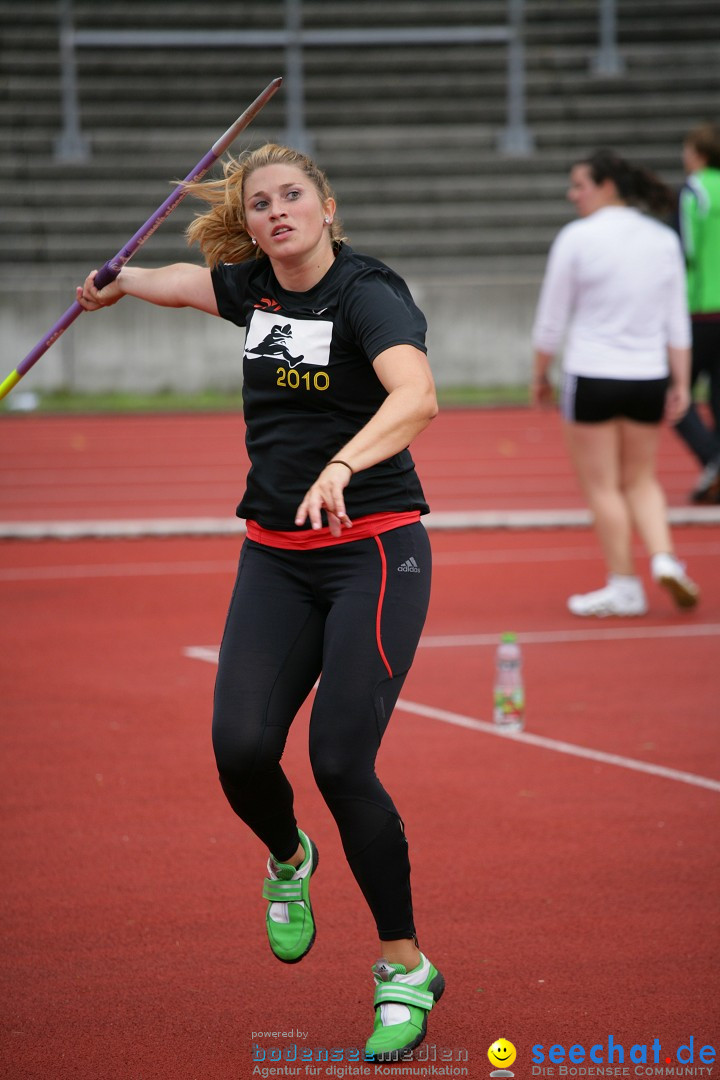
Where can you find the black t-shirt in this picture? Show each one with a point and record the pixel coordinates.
(309, 383)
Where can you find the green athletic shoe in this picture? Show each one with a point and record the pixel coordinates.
(402, 1002)
(289, 918)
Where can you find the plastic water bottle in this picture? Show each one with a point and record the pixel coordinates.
(509, 696)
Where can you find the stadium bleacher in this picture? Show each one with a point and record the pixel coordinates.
(408, 133)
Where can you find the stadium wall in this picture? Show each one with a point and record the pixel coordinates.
(479, 335)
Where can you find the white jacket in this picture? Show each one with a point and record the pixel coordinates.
(617, 278)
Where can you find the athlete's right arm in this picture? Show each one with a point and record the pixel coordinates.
(688, 220)
(557, 294)
(178, 285)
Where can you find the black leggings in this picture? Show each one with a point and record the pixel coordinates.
(704, 441)
(354, 613)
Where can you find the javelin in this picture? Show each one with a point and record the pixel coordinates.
(112, 267)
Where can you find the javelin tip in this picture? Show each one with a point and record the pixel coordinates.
(247, 117)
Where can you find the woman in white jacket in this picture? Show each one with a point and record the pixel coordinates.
(615, 281)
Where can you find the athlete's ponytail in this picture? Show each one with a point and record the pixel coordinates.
(635, 185)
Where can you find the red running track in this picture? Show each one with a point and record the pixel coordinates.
(566, 882)
(566, 898)
(115, 467)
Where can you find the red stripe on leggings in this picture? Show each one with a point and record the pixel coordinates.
(381, 597)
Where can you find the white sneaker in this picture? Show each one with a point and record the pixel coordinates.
(670, 573)
(621, 596)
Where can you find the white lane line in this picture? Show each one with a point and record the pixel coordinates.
(221, 566)
(115, 570)
(209, 654)
(450, 520)
(119, 529)
(558, 746)
(568, 554)
(546, 637)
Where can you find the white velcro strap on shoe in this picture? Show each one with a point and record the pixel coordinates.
(282, 892)
(402, 994)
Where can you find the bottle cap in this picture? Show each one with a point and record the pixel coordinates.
(508, 638)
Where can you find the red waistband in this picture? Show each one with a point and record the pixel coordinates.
(305, 539)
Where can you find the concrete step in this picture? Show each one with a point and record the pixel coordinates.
(114, 88)
(98, 117)
(155, 140)
(30, 58)
(156, 13)
(373, 12)
(380, 165)
(358, 190)
(670, 27)
(153, 15)
(514, 213)
(353, 190)
(43, 64)
(382, 171)
(385, 244)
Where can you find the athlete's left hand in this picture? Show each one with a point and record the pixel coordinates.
(327, 494)
(542, 392)
(677, 402)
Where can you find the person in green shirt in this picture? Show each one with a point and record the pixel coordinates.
(699, 221)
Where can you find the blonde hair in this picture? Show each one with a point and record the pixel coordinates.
(221, 232)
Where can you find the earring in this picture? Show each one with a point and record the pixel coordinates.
(254, 241)
(327, 220)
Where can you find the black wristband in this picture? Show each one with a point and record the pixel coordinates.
(339, 461)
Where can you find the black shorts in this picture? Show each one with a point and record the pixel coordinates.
(594, 401)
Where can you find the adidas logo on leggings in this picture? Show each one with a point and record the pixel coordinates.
(409, 567)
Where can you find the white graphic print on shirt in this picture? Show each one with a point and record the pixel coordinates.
(297, 341)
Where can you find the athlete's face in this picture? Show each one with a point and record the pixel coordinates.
(285, 213)
(692, 159)
(587, 196)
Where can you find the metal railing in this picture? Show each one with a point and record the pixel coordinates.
(514, 139)
(607, 59)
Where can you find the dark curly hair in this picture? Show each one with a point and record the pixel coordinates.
(635, 185)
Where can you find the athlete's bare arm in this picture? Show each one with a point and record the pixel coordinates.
(177, 285)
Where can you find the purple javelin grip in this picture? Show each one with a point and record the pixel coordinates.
(112, 267)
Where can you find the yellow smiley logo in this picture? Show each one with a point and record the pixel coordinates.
(502, 1053)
